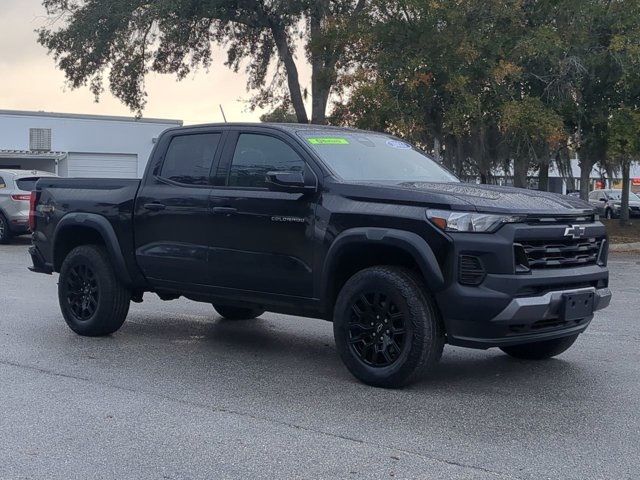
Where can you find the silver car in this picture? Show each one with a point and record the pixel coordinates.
(15, 190)
(609, 202)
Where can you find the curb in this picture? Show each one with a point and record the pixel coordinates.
(625, 247)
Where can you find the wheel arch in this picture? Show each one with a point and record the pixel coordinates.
(399, 247)
(76, 229)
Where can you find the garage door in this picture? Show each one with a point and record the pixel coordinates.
(102, 165)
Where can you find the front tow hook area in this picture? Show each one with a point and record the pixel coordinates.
(548, 306)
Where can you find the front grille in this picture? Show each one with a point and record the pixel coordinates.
(558, 253)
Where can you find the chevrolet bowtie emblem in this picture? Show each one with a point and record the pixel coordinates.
(574, 231)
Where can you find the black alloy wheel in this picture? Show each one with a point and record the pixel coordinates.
(377, 329)
(387, 329)
(93, 300)
(82, 292)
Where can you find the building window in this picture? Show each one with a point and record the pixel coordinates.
(40, 139)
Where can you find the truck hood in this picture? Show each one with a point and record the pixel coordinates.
(471, 197)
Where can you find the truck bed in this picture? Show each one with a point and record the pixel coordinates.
(110, 198)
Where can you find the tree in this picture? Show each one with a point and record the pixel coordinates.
(280, 114)
(624, 148)
(124, 40)
(531, 128)
(448, 75)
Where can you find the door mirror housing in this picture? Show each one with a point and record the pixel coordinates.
(290, 182)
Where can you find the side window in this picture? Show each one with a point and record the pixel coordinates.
(2, 184)
(189, 158)
(593, 195)
(255, 155)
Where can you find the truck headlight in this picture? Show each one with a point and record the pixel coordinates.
(451, 221)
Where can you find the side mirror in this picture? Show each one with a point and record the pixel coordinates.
(289, 182)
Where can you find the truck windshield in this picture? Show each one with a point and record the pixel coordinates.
(362, 157)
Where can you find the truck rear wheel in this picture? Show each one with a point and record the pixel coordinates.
(92, 299)
(540, 350)
(387, 330)
(238, 313)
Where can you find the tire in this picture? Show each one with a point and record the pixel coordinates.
(5, 231)
(394, 300)
(93, 301)
(540, 350)
(238, 313)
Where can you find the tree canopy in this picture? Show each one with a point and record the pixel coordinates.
(119, 42)
(486, 84)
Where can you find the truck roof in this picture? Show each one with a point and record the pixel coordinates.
(290, 127)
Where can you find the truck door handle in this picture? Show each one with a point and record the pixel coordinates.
(224, 210)
(155, 207)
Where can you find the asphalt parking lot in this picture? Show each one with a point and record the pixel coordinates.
(179, 393)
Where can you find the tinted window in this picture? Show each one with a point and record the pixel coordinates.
(370, 157)
(2, 184)
(27, 184)
(256, 155)
(189, 158)
(616, 195)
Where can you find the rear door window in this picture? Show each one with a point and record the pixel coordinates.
(27, 184)
(189, 158)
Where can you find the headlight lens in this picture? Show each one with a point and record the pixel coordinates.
(468, 221)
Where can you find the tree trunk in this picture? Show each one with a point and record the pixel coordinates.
(320, 90)
(624, 206)
(293, 80)
(459, 156)
(586, 166)
(543, 178)
(323, 64)
(520, 171)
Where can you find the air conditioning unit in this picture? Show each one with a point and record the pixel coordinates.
(40, 139)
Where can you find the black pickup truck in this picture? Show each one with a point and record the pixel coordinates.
(354, 227)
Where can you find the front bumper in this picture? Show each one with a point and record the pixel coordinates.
(509, 306)
(532, 319)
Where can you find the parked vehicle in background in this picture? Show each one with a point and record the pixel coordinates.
(608, 203)
(354, 227)
(15, 189)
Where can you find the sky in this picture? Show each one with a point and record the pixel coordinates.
(29, 80)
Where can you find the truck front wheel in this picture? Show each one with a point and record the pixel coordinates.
(540, 350)
(93, 300)
(386, 328)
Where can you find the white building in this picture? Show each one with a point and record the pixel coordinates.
(78, 145)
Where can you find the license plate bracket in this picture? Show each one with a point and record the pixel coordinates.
(576, 306)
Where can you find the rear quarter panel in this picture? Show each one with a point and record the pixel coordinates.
(112, 199)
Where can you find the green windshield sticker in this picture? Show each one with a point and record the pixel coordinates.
(328, 141)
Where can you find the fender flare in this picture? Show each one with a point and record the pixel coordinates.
(102, 226)
(410, 242)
